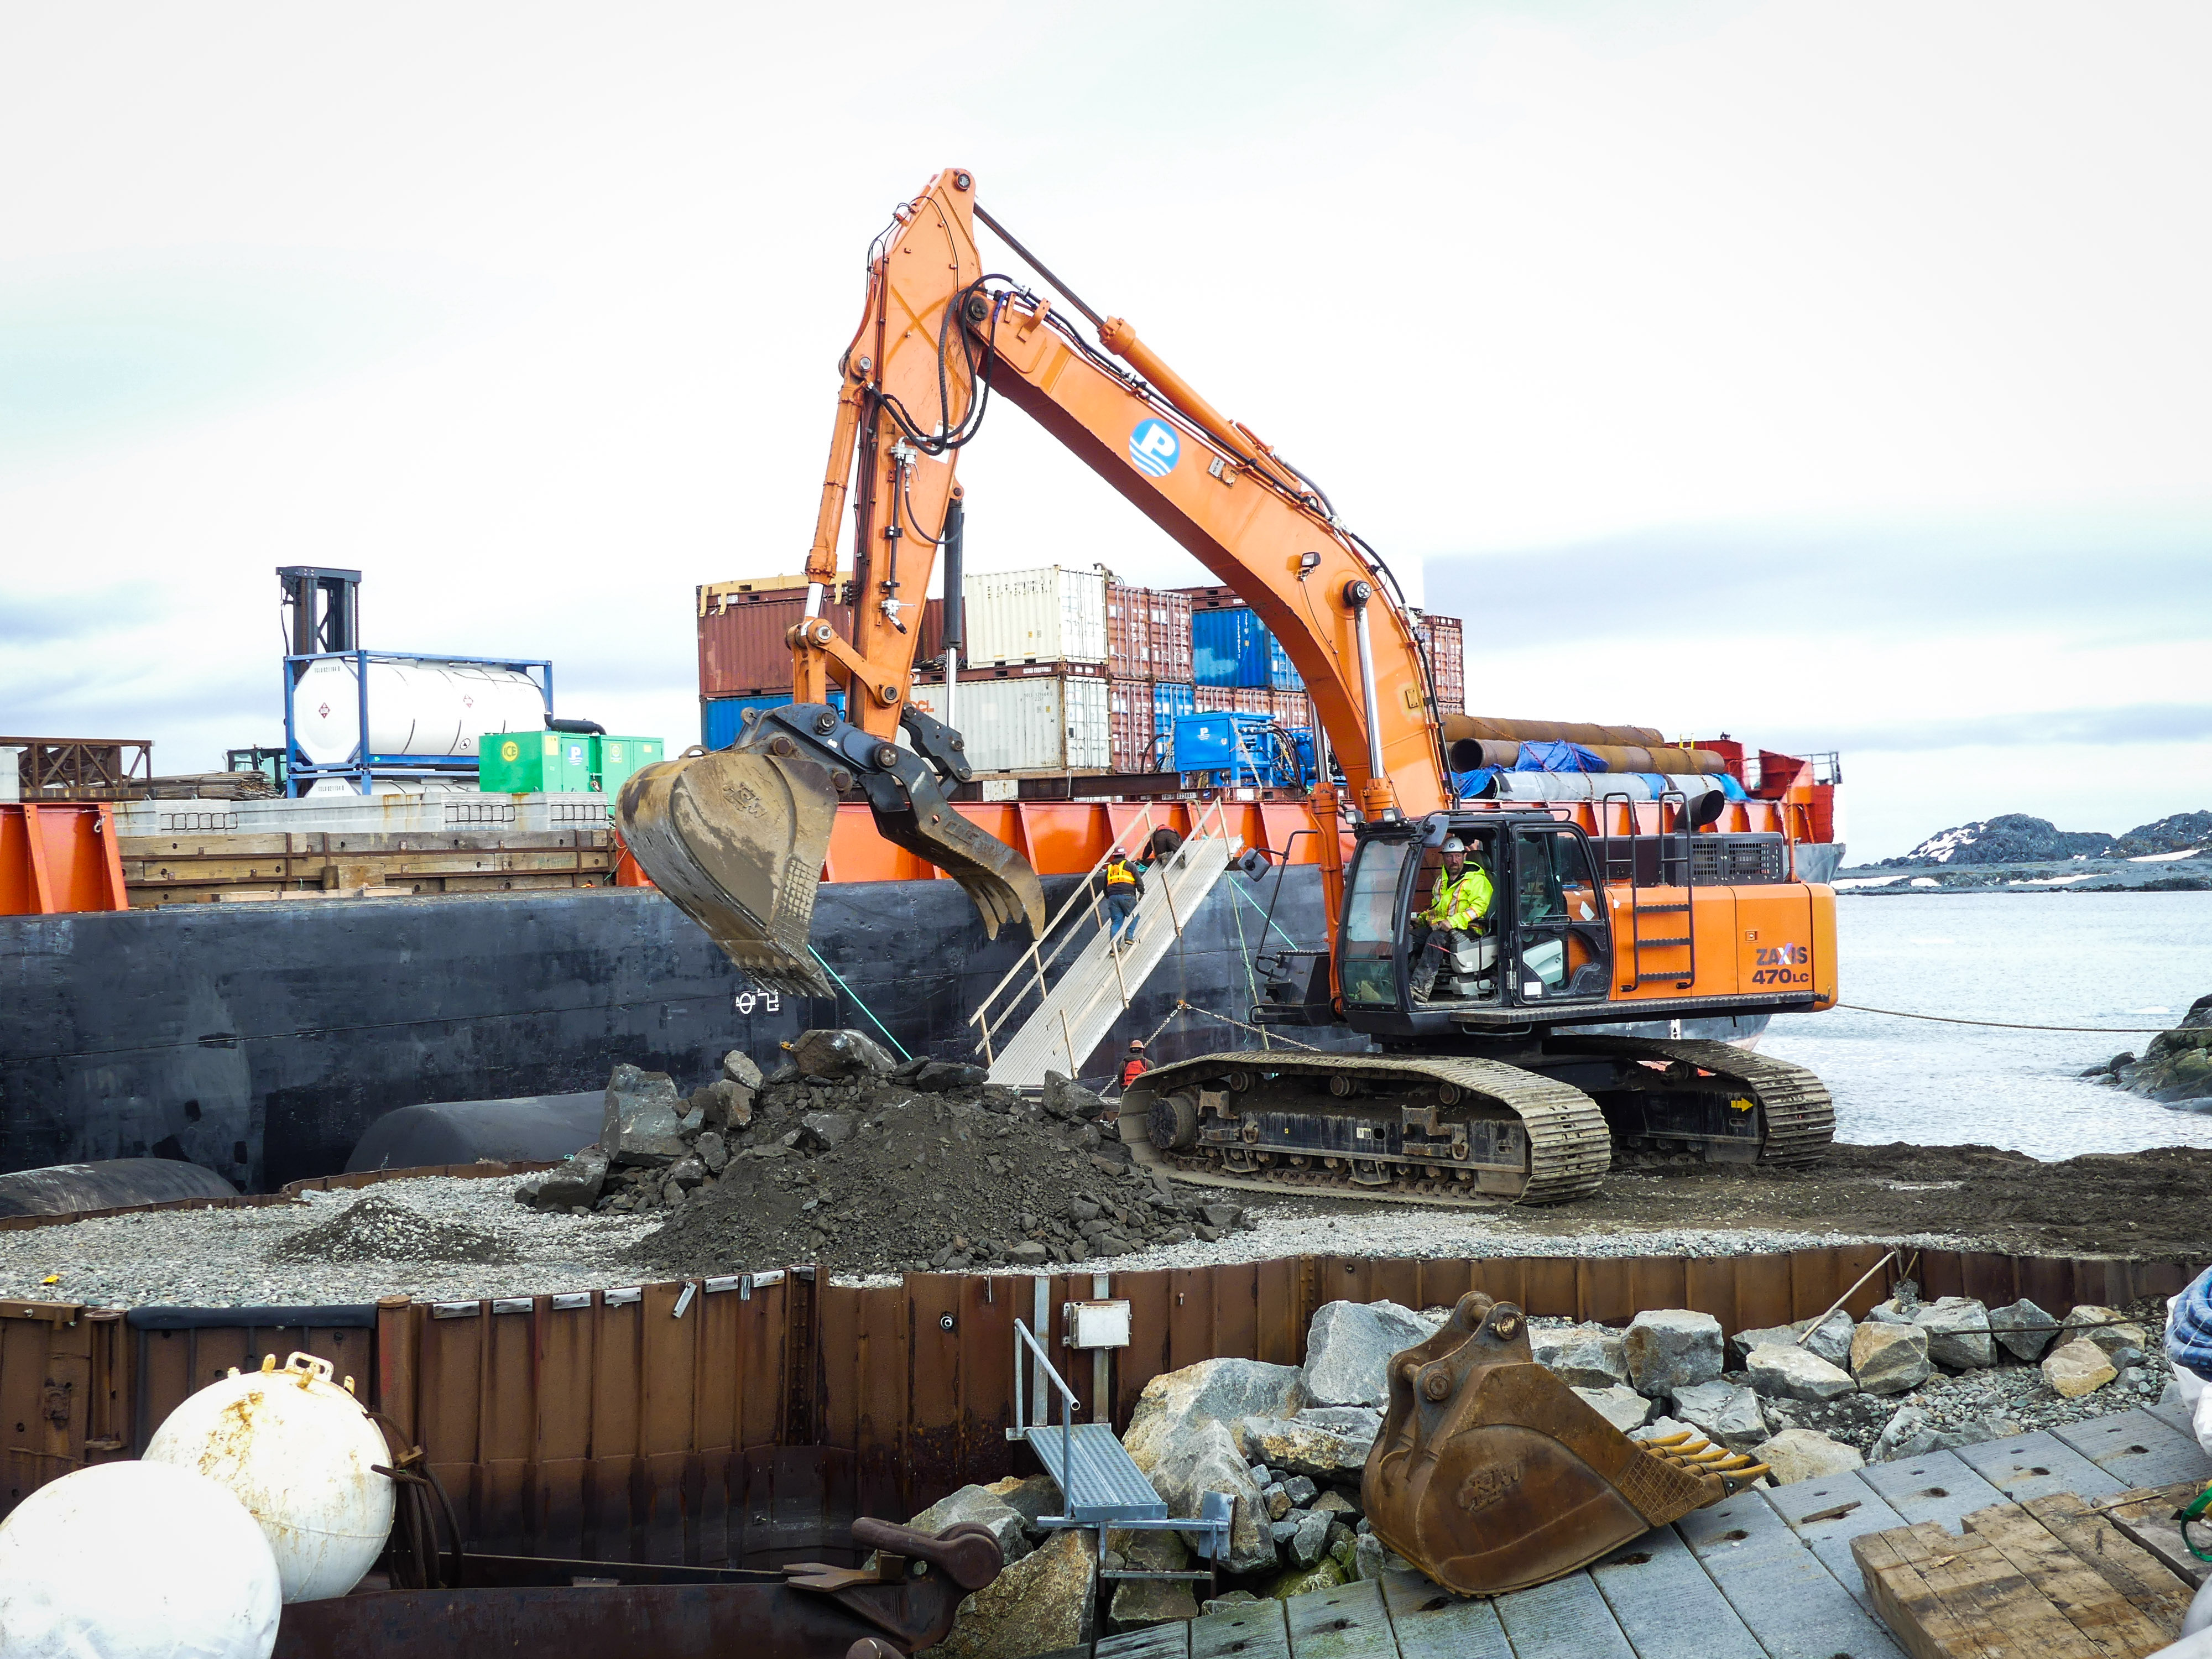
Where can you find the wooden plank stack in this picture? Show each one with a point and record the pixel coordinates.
(2055, 1577)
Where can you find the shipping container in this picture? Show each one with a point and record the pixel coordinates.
(1128, 632)
(1020, 670)
(1170, 699)
(743, 648)
(1241, 699)
(1291, 709)
(1232, 646)
(533, 762)
(1167, 619)
(720, 718)
(1444, 640)
(1047, 615)
(1054, 723)
(1213, 597)
(1129, 711)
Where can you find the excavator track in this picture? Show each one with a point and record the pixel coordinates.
(1562, 1143)
(1796, 1116)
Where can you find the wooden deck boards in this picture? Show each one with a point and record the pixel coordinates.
(1771, 1574)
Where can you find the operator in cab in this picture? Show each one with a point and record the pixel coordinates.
(1458, 912)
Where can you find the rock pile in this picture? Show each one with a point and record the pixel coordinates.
(1915, 1377)
(380, 1227)
(842, 1157)
(2176, 1069)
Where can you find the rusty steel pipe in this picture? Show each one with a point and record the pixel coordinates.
(1456, 727)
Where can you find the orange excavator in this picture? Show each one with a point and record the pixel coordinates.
(1484, 1080)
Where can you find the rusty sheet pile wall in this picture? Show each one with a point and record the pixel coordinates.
(748, 1419)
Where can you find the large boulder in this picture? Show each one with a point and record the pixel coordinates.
(1958, 1329)
(1297, 1445)
(1582, 1356)
(738, 1067)
(1041, 1604)
(1349, 1346)
(1031, 1498)
(985, 1509)
(1205, 1459)
(2023, 1328)
(643, 1123)
(1724, 1413)
(830, 1128)
(2077, 1368)
(1890, 1358)
(1829, 1339)
(1797, 1454)
(1673, 1349)
(1225, 1391)
(1063, 1098)
(2108, 1327)
(1622, 1407)
(1309, 1539)
(729, 1106)
(839, 1054)
(1790, 1373)
(1739, 1346)
(574, 1183)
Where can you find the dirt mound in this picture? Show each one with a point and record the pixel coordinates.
(873, 1176)
(381, 1228)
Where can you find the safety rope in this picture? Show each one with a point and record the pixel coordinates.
(1243, 897)
(2007, 1024)
(1244, 952)
(861, 1006)
(1191, 1007)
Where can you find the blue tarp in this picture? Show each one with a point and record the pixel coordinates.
(2189, 1333)
(1557, 757)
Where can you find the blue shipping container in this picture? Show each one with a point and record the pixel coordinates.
(1170, 699)
(720, 718)
(1233, 647)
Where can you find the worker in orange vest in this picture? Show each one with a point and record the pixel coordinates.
(1136, 1065)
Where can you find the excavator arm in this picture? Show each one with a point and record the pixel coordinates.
(737, 837)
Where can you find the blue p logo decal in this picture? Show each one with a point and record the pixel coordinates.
(1154, 447)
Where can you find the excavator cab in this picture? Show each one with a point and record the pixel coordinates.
(1546, 940)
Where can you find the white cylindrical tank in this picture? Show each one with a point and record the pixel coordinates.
(416, 707)
(300, 1453)
(136, 1560)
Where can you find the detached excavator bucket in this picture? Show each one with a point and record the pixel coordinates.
(736, 838)
(1491, 1475)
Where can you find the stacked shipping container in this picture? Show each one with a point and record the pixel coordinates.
(1107, 667)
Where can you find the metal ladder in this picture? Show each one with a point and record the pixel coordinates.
(1635, 971)
(1063, 1017)
(1100, 1484)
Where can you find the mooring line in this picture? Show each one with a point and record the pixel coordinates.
(2009, 1025)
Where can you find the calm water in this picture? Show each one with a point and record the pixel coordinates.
(2116, 959)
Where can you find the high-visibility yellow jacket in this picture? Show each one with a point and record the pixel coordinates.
(1461, 903)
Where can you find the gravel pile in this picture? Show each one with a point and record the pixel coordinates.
(381, 1227)
(233, 1258)
(868, 1175)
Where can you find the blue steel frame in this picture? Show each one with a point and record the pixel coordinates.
(302, 773)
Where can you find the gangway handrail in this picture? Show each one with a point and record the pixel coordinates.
(1068, 1402)
(1035, 958)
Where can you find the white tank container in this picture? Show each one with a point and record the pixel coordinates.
(416, 707)
(300, 1453)
(1047, 615)
(1044, 723)
(136, 1560)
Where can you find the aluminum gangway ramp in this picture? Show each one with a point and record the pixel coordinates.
(1064, 1018)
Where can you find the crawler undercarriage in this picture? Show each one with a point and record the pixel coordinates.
(1535, 1123)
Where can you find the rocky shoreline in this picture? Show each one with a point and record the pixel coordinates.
(2017, 853)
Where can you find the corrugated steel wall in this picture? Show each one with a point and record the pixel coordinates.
(751, 1424)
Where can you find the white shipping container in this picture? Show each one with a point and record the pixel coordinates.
(1047, 615)
(1042, 725)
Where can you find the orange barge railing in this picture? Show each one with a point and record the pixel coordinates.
(56, 857)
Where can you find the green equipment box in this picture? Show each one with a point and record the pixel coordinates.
(533, 762)
(613, 760)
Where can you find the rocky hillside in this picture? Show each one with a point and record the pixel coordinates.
(2016, 838)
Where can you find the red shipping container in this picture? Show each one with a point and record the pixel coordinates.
(1291, 709)
(1445, 641)
(1234, 699)
(743, 650)
(1128, 633)
(1215, 597)
(1129, 718)
(1167, 620)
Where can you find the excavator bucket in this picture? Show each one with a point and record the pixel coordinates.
(1491, 1475)
(736, 839)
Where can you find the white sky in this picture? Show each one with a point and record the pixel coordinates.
(1833, 375)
